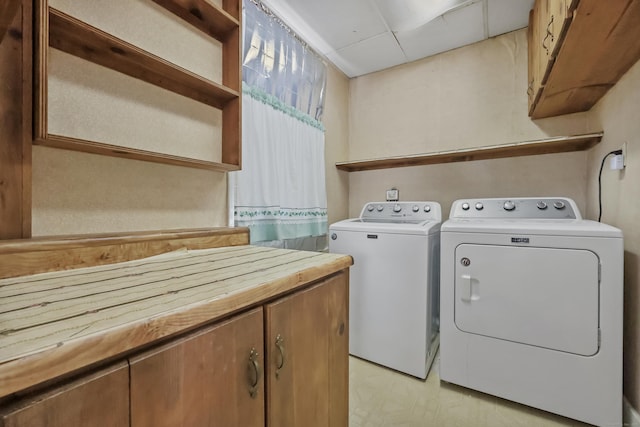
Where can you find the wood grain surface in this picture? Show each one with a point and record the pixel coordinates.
(15, 118)
(54, 323)
(550, 145)
(38, 255)
(202, 380)
(100, 399)
(204, 15)
(307, 357)
(600, 45)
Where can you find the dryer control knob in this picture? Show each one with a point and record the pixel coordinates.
(509, 205)
(370, 208)
(465, 206)
(558, 205)
(427, 208)
(479, 206)
(415, 208)
(542, 206)
(380, 208)
(397, 208)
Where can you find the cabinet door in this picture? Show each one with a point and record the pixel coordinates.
(211, 378)
(533, 87)
(97, 400)
(307, 356)
(559, 14)
(542, 40)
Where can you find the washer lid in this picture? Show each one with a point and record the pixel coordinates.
(384, 226)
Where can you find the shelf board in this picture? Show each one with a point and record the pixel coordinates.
(82, 40)
(67, 143)
(560, 144)
(203, 15)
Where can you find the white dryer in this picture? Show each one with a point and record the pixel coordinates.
(394, 282)
(531, 306)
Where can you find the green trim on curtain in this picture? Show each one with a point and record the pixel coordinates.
(274, 102)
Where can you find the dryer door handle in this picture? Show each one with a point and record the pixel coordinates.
(466, 288)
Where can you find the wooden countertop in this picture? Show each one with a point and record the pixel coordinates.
(56, 323)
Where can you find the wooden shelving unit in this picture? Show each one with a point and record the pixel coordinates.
(66, 33)
(529, 148)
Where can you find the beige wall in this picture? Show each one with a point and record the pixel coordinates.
(617, 114)
(469, 97)
(336, 121)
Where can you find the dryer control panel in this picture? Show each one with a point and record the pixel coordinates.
(401, 212)
(519, 207)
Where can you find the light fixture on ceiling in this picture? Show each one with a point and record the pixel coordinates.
(407, 15)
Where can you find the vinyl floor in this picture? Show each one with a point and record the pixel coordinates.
(382, 397)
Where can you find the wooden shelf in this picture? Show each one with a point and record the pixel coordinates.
(58, 30)
(203, 15)
(84, 41)
(67, 143)
(560, 144)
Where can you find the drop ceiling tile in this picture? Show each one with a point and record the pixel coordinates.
(507, 15)
(369, 55)
(458, 28)
(340, 23)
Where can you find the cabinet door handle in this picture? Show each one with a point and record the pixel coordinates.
(543, 43)
(550, 32)
(254, 373)
(280, 347)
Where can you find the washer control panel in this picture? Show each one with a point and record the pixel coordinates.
(401, 211)
(519, 207)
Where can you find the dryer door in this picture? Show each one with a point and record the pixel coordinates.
(539, 296)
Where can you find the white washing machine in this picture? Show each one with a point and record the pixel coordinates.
(531, 306)
(394, 282)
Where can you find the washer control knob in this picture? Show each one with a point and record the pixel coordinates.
(542, 205)
(397, 208)
(427, 208)
(479, 206)
(558, 205)
(380, 208)
(415, 208)
(465, 206)
(509, 205)
(370, 208)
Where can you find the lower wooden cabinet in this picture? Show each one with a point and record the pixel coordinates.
(307, 371)
(100, 399)
(284, 364)
(211, 378)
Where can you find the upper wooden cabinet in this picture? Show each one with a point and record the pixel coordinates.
(578, 49)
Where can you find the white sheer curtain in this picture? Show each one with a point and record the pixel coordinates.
(280, 193)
